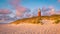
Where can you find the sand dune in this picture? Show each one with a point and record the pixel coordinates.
(29, 29)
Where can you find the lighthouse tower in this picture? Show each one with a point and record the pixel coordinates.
(39, 12)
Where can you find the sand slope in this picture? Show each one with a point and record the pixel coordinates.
(29, 29)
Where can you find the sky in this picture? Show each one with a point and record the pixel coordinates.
(27, 8)
(32, 4)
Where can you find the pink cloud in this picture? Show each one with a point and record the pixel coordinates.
(58, 12)
(20, 10)
(51, 7)
(44, 8)
(52, 11)
(4, 11)
(14, 2)
(18, 14)
(28, 15)
(58, 0)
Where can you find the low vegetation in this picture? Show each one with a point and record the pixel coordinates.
(57, 21)
(37, 20)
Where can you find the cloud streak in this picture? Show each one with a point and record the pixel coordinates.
(58, 0)
(48, 11)
(14, 2)
(20, 10)
(4, 11)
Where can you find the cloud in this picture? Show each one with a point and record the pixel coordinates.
(58, 0)
(43, 8)
(4, 11)
(20, 10)
(58, 12)
(28, 15)
(14, 2)
(48, 11)
(24, 12)
(52, 10)
(16, 5)
(51, 7)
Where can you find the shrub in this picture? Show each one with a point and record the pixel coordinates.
(57, 21)
(39, 21)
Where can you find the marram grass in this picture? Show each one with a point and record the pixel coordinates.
(37, 20)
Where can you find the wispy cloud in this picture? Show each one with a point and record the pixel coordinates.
(4, 11)
(43, 8)
(52, 10)
(14, 2)
(20, 10)
(58, 0)
(48, 11)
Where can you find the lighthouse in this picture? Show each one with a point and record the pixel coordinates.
(39, 12)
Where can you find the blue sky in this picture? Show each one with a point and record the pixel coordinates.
(32, 4)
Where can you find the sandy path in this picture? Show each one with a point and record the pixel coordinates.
(29, 29)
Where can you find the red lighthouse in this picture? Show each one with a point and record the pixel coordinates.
(39, 12)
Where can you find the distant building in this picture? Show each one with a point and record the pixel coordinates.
(39, 12)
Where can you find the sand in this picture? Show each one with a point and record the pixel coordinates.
(29, 29)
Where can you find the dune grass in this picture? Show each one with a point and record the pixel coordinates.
(37, 20)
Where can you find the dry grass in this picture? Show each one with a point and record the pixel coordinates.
(37, 20)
